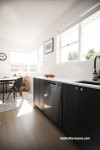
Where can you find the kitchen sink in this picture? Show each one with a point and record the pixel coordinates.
(89, 82)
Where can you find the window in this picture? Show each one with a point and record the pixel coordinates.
(19, 62)
(80, 42)
(27, 62)
(40, 58)
(33, 60)
(36, 60)
(69, 44)
(91, 36)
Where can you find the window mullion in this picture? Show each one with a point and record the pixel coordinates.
(80, 41)
(38, 60)
(70, 44)
(60, 48)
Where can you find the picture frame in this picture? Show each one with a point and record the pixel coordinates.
(49, 46)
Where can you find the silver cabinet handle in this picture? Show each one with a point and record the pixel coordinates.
(81, 89)
(76, 88)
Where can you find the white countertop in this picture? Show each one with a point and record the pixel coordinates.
(71, 81)
(8, 79)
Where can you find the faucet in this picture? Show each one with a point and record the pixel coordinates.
(95, 75)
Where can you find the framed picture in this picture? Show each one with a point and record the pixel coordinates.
(49, 46)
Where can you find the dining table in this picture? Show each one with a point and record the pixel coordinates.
(5, 81)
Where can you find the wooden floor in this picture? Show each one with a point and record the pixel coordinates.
(31, 131)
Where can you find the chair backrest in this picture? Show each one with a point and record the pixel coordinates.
(19, 82)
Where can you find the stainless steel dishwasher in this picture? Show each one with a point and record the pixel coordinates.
(53, 101)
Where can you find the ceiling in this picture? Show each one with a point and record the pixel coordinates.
(21, 21)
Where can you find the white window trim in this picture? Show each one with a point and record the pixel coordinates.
(60, 48)
(38, 59)
(72, 43)
(80, 41)
(69, 44)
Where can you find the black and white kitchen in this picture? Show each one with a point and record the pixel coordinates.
(50, 75)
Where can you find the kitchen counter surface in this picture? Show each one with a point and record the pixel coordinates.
(71, 81)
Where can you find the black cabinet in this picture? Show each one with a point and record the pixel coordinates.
(92, 112)
(41, 94)
(74, 108)
(48, 97)
(53, 101)
(81, 111)
(38, 92)
(71, 110)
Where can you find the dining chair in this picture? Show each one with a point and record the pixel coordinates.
(16, 88)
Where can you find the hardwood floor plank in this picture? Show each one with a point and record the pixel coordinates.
(19, 145)
(4, 142)
(29, 132)
(16, 136)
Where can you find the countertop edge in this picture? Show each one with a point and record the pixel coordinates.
(69, 81)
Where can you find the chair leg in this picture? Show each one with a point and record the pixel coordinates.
(0, 98)
(14, 94)
(9, 94)
(20, 91)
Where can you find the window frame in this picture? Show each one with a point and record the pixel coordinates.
(15, 67)
(38, 64)
(69, 44)
(78, 22)
(29, 65)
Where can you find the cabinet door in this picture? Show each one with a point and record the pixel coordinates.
(41, 93)
(36, 92)
(53, 102)
(71, 110)
(92, 112)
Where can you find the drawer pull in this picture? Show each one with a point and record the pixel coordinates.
(81, 89)
(76, 88)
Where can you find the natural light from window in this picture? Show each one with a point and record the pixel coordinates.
(19, 62)
(27, 62)
(36, 59)
(69, 44)
(91, 37)
(80, 42)
(25, 109)
(33, 60)
(41, 58)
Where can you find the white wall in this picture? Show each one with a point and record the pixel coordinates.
(4, 65)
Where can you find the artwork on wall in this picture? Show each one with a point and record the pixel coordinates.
(3, 56)
(49, 46)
